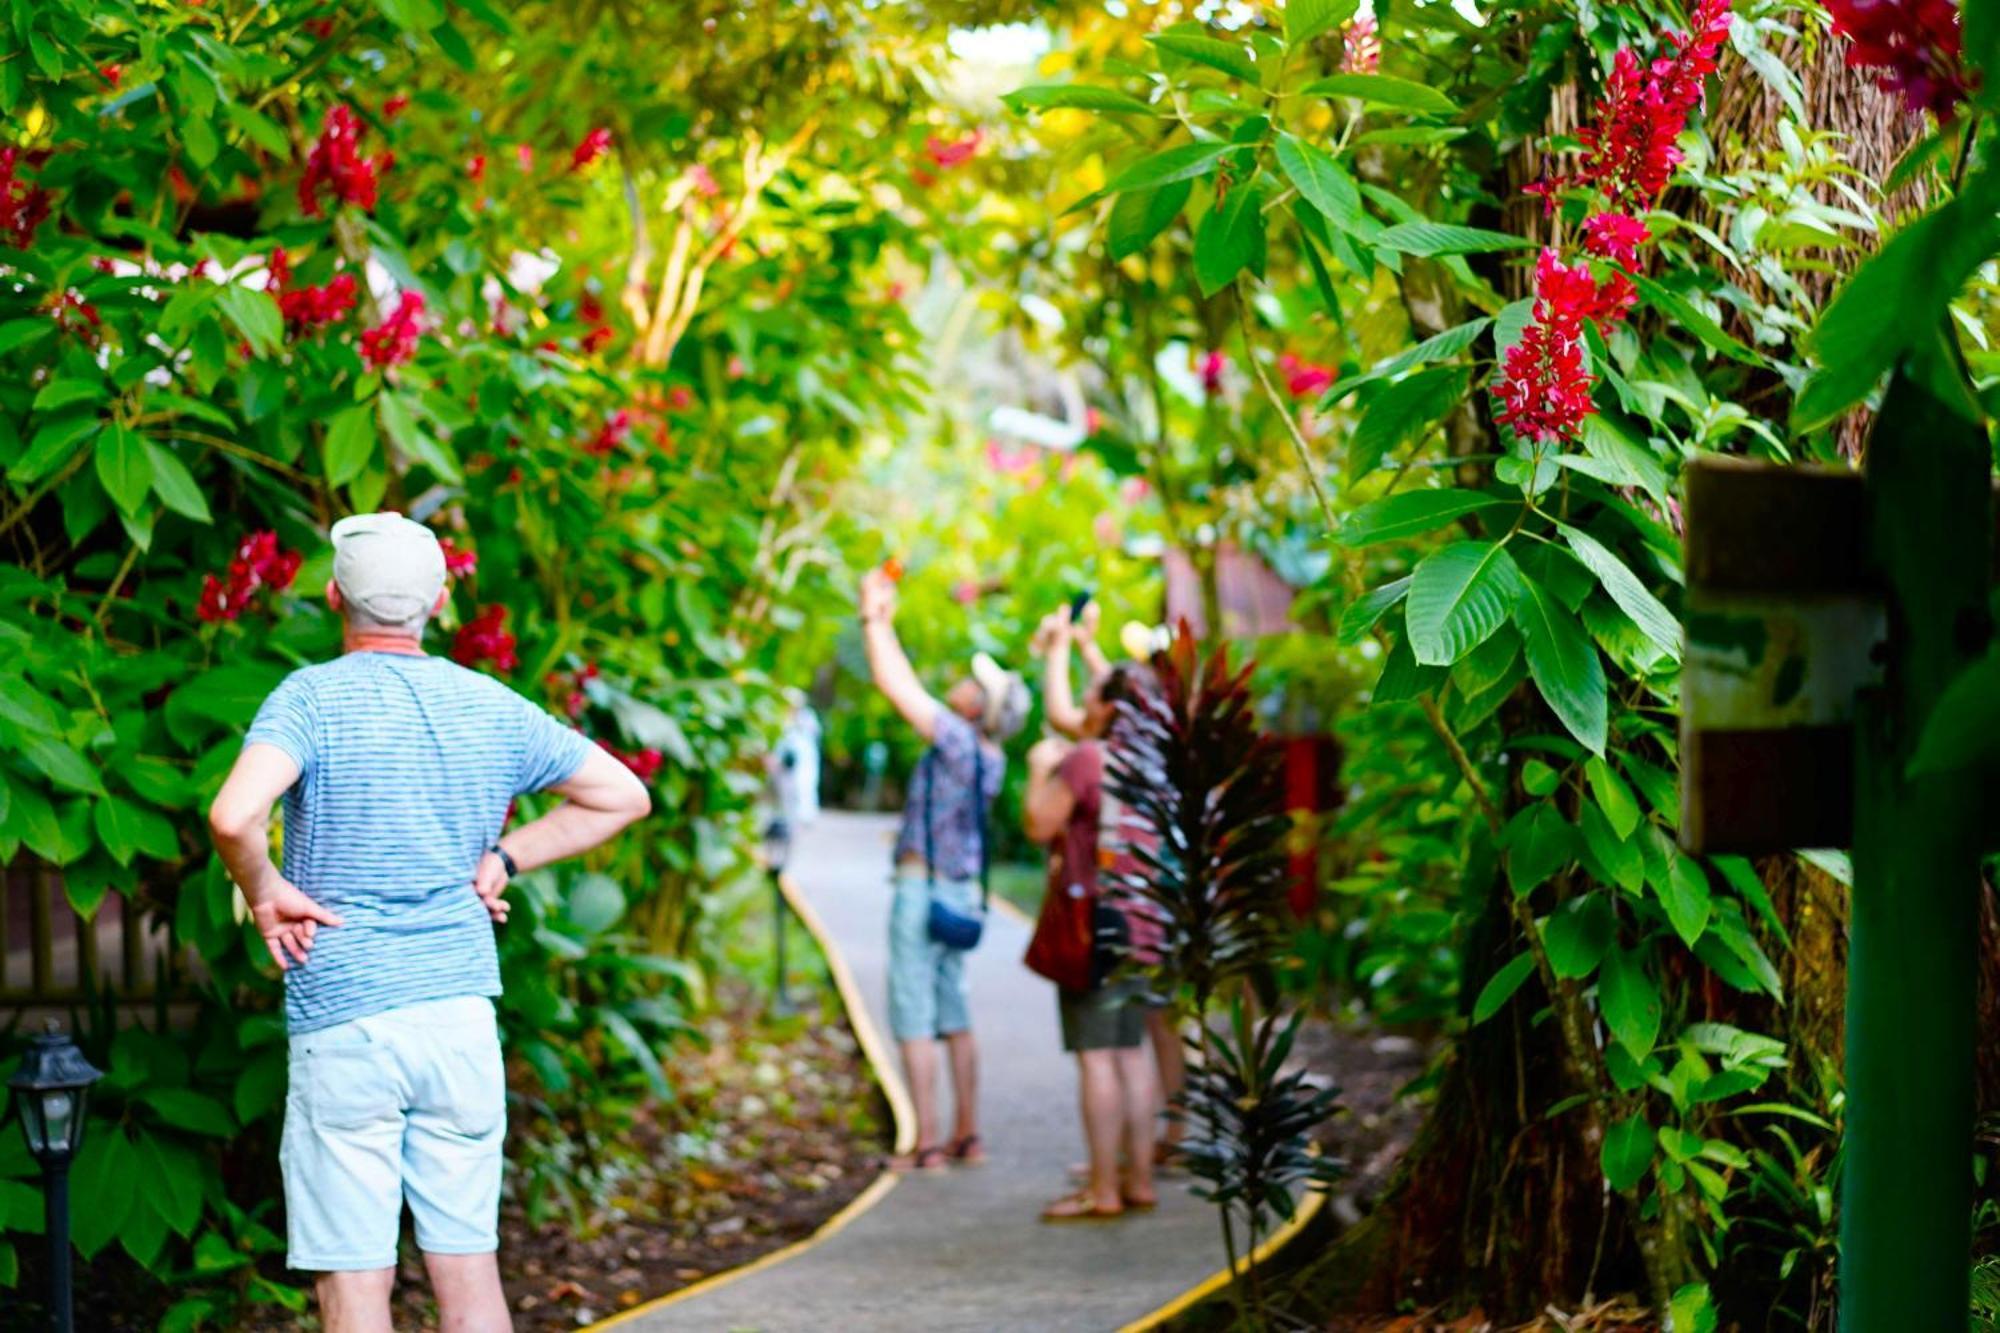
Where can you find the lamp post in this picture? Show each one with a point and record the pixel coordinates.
(51, 1089)
(776, 850)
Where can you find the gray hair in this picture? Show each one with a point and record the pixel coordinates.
(358, 617)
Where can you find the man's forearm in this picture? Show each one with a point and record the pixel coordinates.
(568, 830)
(246, 854)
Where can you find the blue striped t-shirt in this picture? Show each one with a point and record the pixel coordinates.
(407, 766)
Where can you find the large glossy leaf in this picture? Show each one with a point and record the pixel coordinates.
(1459, 595)
(1653, 619)
(1563, 662)
(1384, 90)
(255, 316)
(1412, 513)
(1363, 613)
(350, 441)
(124, 468)
(1577, 934)
(1441, 238)
(1402, 412)
(1629, 1001)
(1539, 842)
(1438, 347)
(1231, 58)
(175, 485)
(1684, 314)
(1627, 1152)
(1229, 239)
(1323, 182)
(1684, 892)
(1180, 163)
(1500, 987)
(1138, 216)
(1081, 96)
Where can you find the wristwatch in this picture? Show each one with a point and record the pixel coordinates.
(505, 860)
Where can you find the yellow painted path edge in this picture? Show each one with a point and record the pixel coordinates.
(1216, 1281)
(876, 1051)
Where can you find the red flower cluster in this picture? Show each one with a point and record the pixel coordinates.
(1303, 379)
(1913, 45)
(1361, 44)
(475, 168)
(458, 562)
(1631, 145)
(1630, 150)
(484, 638)
(591, 311)
(112, 74)
(614, 432)
(259, 563)
(308, 308)
(645, 764)
(23, 207)
(571, 683)
(949, 153)
(588, 149)
(1212, 368)
(395, 106)
(394, 340)
(336, 163)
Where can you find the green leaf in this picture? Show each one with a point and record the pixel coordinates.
(198, 137)
(123, 466)
(350, 441)
(1363, 613)
(58, 394)
(1684, 892)
(1182, 163)
(27, 707)
(1537, 778)
(259, 128)
(53, 446)
(1563, 663)
(1402, 412)
(1139, 216)
(1653, 619)
(1439, 238)
(1079, 96)
(60, 764)
(1577, 934)
(1627, 1152)
(1307, 19)
(1323, 182)
(196, 1112)
(174, 484)
(1229, 239)
(1963, 729)
(1683, 313)
(1384, 90)
(1229, 57)
(635, 1045)
(102, 1196)
(1692, 1310)
(1614, 798)
(20, 332)
(399, 422)
(412, 15)
(1629, 1001)
(1500, 987)
(595, 904)
(255, 316)
(1438, 347)
(1458, 596)
(1412, 513)
(1539, 842)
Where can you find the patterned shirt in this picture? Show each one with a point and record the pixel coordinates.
(946, 772)
(407, 766)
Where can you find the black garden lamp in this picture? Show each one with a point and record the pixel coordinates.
(51, 1089)
(775, 851)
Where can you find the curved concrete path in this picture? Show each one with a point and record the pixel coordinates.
(963, 1250)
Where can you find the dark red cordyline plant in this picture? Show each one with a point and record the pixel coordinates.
(259, 563)
(485, 638)
(335, 164)
(1914, 46)
(24, 206)
(1629, 151)
(394, 340)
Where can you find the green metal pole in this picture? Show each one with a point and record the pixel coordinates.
(1911, 972)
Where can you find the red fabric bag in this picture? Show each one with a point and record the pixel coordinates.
(1063, 947)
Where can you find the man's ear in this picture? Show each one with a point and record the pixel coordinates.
(333, 597)
(444, 595)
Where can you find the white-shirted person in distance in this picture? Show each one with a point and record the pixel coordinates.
(397, 770)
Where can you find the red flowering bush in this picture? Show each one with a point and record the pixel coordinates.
(24, 206)
(485, 638)
(394, 340)
(305, 308)
(1915, 48)
(591, 147)
(335, 166)
(259, 563)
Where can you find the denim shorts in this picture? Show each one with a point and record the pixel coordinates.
(927, 995)
(411, 1105)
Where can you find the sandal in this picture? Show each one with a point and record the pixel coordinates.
(923, 1159)
(1080, 1207)
(968, 1151)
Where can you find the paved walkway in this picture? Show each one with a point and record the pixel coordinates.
(964, 1250)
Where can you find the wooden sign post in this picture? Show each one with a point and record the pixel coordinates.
(1826, 612)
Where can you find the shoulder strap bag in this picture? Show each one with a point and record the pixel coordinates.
(952, 926)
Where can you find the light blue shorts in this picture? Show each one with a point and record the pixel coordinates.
(409, 1104)
(927, 996)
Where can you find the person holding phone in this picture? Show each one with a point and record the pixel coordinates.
(940, 857)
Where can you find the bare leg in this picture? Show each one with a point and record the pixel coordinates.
(1102, 1102)
(1140, 1104)
(1163, 1026)
(470, 1298)
(920, 1067)
(964, 1084)
(356, 1302)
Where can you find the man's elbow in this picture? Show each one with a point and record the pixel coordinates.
(637, 803)
(228, 822)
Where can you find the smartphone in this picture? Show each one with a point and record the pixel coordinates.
(1078, 602)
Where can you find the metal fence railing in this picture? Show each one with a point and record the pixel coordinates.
(51, 955)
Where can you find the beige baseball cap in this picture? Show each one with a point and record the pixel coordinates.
(1006, 697)
(389, 566)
